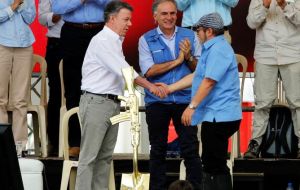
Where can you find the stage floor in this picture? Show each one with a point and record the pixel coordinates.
(257, 174)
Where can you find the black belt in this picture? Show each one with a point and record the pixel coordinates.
(85, 25)
(108, 96)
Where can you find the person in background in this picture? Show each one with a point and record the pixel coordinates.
(102, 82)
(167, 54)
(54, 55)
(277, 25)
(16, 39)
(83, 19)
(215, 100)
(181, 185)
(195, 9)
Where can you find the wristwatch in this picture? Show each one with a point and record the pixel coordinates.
(191, 59)
(192, 106)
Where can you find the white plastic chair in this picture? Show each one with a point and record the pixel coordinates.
(69, 166)
(38, 111)
(63, 109)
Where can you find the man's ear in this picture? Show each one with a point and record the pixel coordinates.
(209, 31)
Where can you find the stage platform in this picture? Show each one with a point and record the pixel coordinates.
(257, 174)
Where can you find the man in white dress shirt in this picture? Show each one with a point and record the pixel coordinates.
(102, 82)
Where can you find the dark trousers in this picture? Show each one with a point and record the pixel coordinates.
(75, 42)
(158, 118)
(53, 57)
(214, 136)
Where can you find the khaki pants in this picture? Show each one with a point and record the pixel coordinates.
(15, 76)
(265, 90)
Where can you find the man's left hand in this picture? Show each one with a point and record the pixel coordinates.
(186, 118)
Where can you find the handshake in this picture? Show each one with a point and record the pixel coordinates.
(160, 89)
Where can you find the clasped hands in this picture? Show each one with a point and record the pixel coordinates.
(281, 3)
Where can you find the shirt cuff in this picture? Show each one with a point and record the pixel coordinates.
(49, 19)
(9, 11)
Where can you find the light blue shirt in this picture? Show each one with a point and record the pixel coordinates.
(14, 25)
(90, 11)
(218, 62)
(193, 10)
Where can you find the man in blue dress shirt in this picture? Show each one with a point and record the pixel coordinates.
(83, 19)
(215, 100)
(193, 10)
(16, 39)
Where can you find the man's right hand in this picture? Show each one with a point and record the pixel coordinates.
(267, 3)
(180, 58)
(55, 18)
(16, 4)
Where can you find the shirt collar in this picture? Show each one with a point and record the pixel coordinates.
(162, 34)
(212, 41)
(112, 34)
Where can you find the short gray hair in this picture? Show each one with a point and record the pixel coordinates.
(114, 7)
(158, 2)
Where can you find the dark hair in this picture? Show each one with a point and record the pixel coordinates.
(181, 185)
(114, 7)
(157, 2)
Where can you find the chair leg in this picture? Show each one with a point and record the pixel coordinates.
(72, 181)
(67, 166)
(111, 182)
(42, 125)
(62, 111)
(36, 132)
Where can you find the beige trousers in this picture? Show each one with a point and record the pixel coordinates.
(15, 76)
(265, 91)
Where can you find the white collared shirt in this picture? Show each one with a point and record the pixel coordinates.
(45, 19)
(104, 59)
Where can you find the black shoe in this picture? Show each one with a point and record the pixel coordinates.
(253, 150)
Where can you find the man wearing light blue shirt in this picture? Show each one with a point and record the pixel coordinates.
(83, 19)
(215, 100)
(16, 39)
(193, 10)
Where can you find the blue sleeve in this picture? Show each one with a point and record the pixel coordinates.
(65, 6)
(217, 64)
(5, 14)
(183, 4)
(102, 2)
(145, 56)
(28, 11)
(229, 3)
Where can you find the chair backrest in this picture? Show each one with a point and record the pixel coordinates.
(235, 139)
(65, 125)
(62, 86)
(244, 63)
(37, 59)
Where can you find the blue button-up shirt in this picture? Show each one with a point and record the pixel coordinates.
(218, 62)
(90, 11)
(193, 10)
(14, 25)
